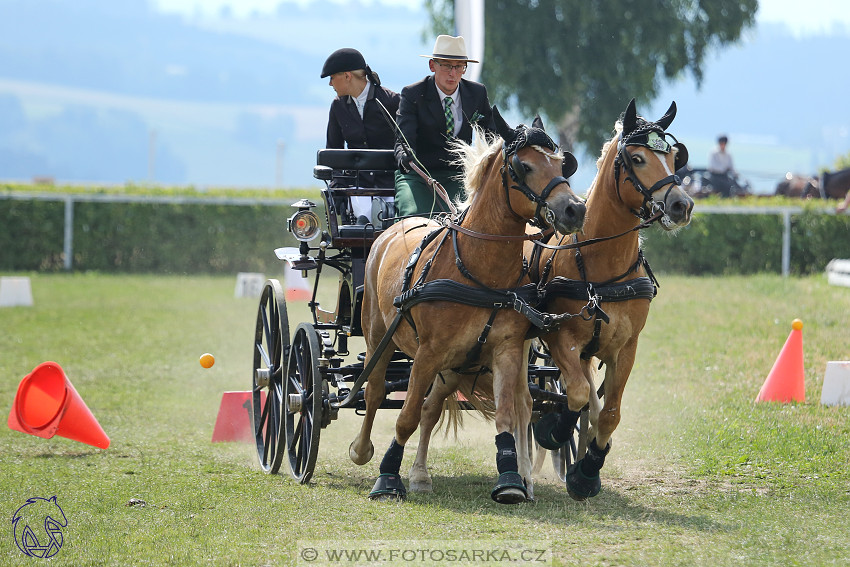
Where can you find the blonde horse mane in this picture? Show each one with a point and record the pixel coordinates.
(606, 151)
(474, 159)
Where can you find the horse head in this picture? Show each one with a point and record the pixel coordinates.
(649, 162)
(534, 175)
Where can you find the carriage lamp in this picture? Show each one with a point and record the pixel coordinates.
(304, 224)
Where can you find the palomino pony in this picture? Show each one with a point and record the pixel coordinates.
(603, 268)
(458, 302)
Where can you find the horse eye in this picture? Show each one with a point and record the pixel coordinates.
(637, 158)
(526, 167)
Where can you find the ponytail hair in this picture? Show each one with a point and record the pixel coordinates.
(373, 76)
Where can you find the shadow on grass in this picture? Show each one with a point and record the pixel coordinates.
(552, 504)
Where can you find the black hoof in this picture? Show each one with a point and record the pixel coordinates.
(544, 430)
(510, 489)
(579, 485)
(388, 487)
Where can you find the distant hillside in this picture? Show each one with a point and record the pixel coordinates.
(89, 88)
(114, 91)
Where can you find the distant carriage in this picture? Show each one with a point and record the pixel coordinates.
(799, 186)
(830, 185)
(698, 182)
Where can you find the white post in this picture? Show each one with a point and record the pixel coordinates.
(786, 243)
(469, 22)
(69, 233)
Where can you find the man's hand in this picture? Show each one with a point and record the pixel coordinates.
(403, 159)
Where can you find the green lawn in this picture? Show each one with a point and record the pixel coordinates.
(698, 474)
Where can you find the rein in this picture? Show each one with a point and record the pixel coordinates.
(645, 224)
(436, 187)
(449, 223)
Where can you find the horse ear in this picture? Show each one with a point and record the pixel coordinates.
(668, 117)
(630, 118)
(502, 128)
(537, 123)
(681, 156)
(569, 165)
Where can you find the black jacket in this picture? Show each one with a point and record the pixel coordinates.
(422, 120)
(347, 129)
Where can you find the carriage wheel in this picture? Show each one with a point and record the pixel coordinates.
(566, 455)
(271, 346)
(302, 418)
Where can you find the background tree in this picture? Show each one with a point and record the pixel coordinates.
(579, 62)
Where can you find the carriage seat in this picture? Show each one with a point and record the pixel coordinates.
(357, 160)
(341, 169)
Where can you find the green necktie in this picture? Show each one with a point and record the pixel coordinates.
(450, 117)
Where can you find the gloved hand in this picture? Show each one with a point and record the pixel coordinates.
(403, 159)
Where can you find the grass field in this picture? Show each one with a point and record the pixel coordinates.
(698, 473)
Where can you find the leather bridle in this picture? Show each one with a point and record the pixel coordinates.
(650, 206)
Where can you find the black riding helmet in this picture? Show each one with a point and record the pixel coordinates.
(341, 60)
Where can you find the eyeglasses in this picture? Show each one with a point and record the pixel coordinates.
(448, 67)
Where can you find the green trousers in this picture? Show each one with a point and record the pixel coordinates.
(414, 197)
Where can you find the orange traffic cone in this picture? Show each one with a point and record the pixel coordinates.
(234, 420)
(786, 381)
(47, 404)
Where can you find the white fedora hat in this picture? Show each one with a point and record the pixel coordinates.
(449, 47)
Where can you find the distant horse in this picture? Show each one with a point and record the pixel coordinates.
(835, 184)
(799, 186)
(604, 278)
(510, 181)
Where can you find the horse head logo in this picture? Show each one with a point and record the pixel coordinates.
(38, 527)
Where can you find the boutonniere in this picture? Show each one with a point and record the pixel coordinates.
(476, 116)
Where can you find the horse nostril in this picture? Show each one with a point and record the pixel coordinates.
(680, 208)
(574, 212)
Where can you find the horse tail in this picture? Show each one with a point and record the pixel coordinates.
(481, 399)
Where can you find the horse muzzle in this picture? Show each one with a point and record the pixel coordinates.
(566, 214)
(678, 207)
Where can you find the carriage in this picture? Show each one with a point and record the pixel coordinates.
(549, 399)
(301, 380)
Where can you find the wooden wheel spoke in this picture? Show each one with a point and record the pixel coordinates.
(264, 355)
(296, 384)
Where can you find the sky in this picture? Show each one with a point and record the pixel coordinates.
(811, 17)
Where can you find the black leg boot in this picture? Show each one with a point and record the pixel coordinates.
(553, 430)
(389, 485)
(510, 488)
(583, 476)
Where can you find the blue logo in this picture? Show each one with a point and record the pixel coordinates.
(38, 527)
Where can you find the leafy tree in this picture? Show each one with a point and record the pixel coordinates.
(579, 62)
(842, 162)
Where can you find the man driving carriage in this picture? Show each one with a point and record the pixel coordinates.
(431, 113)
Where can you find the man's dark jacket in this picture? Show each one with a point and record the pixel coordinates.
(372, 131)
(422, 120)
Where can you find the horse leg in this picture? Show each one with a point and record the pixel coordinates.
(583, 479)
(444, 384)
(389, 486)
(512, 414)
(594, 405)
(521, 431)
(361, 449)
(554, 430)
